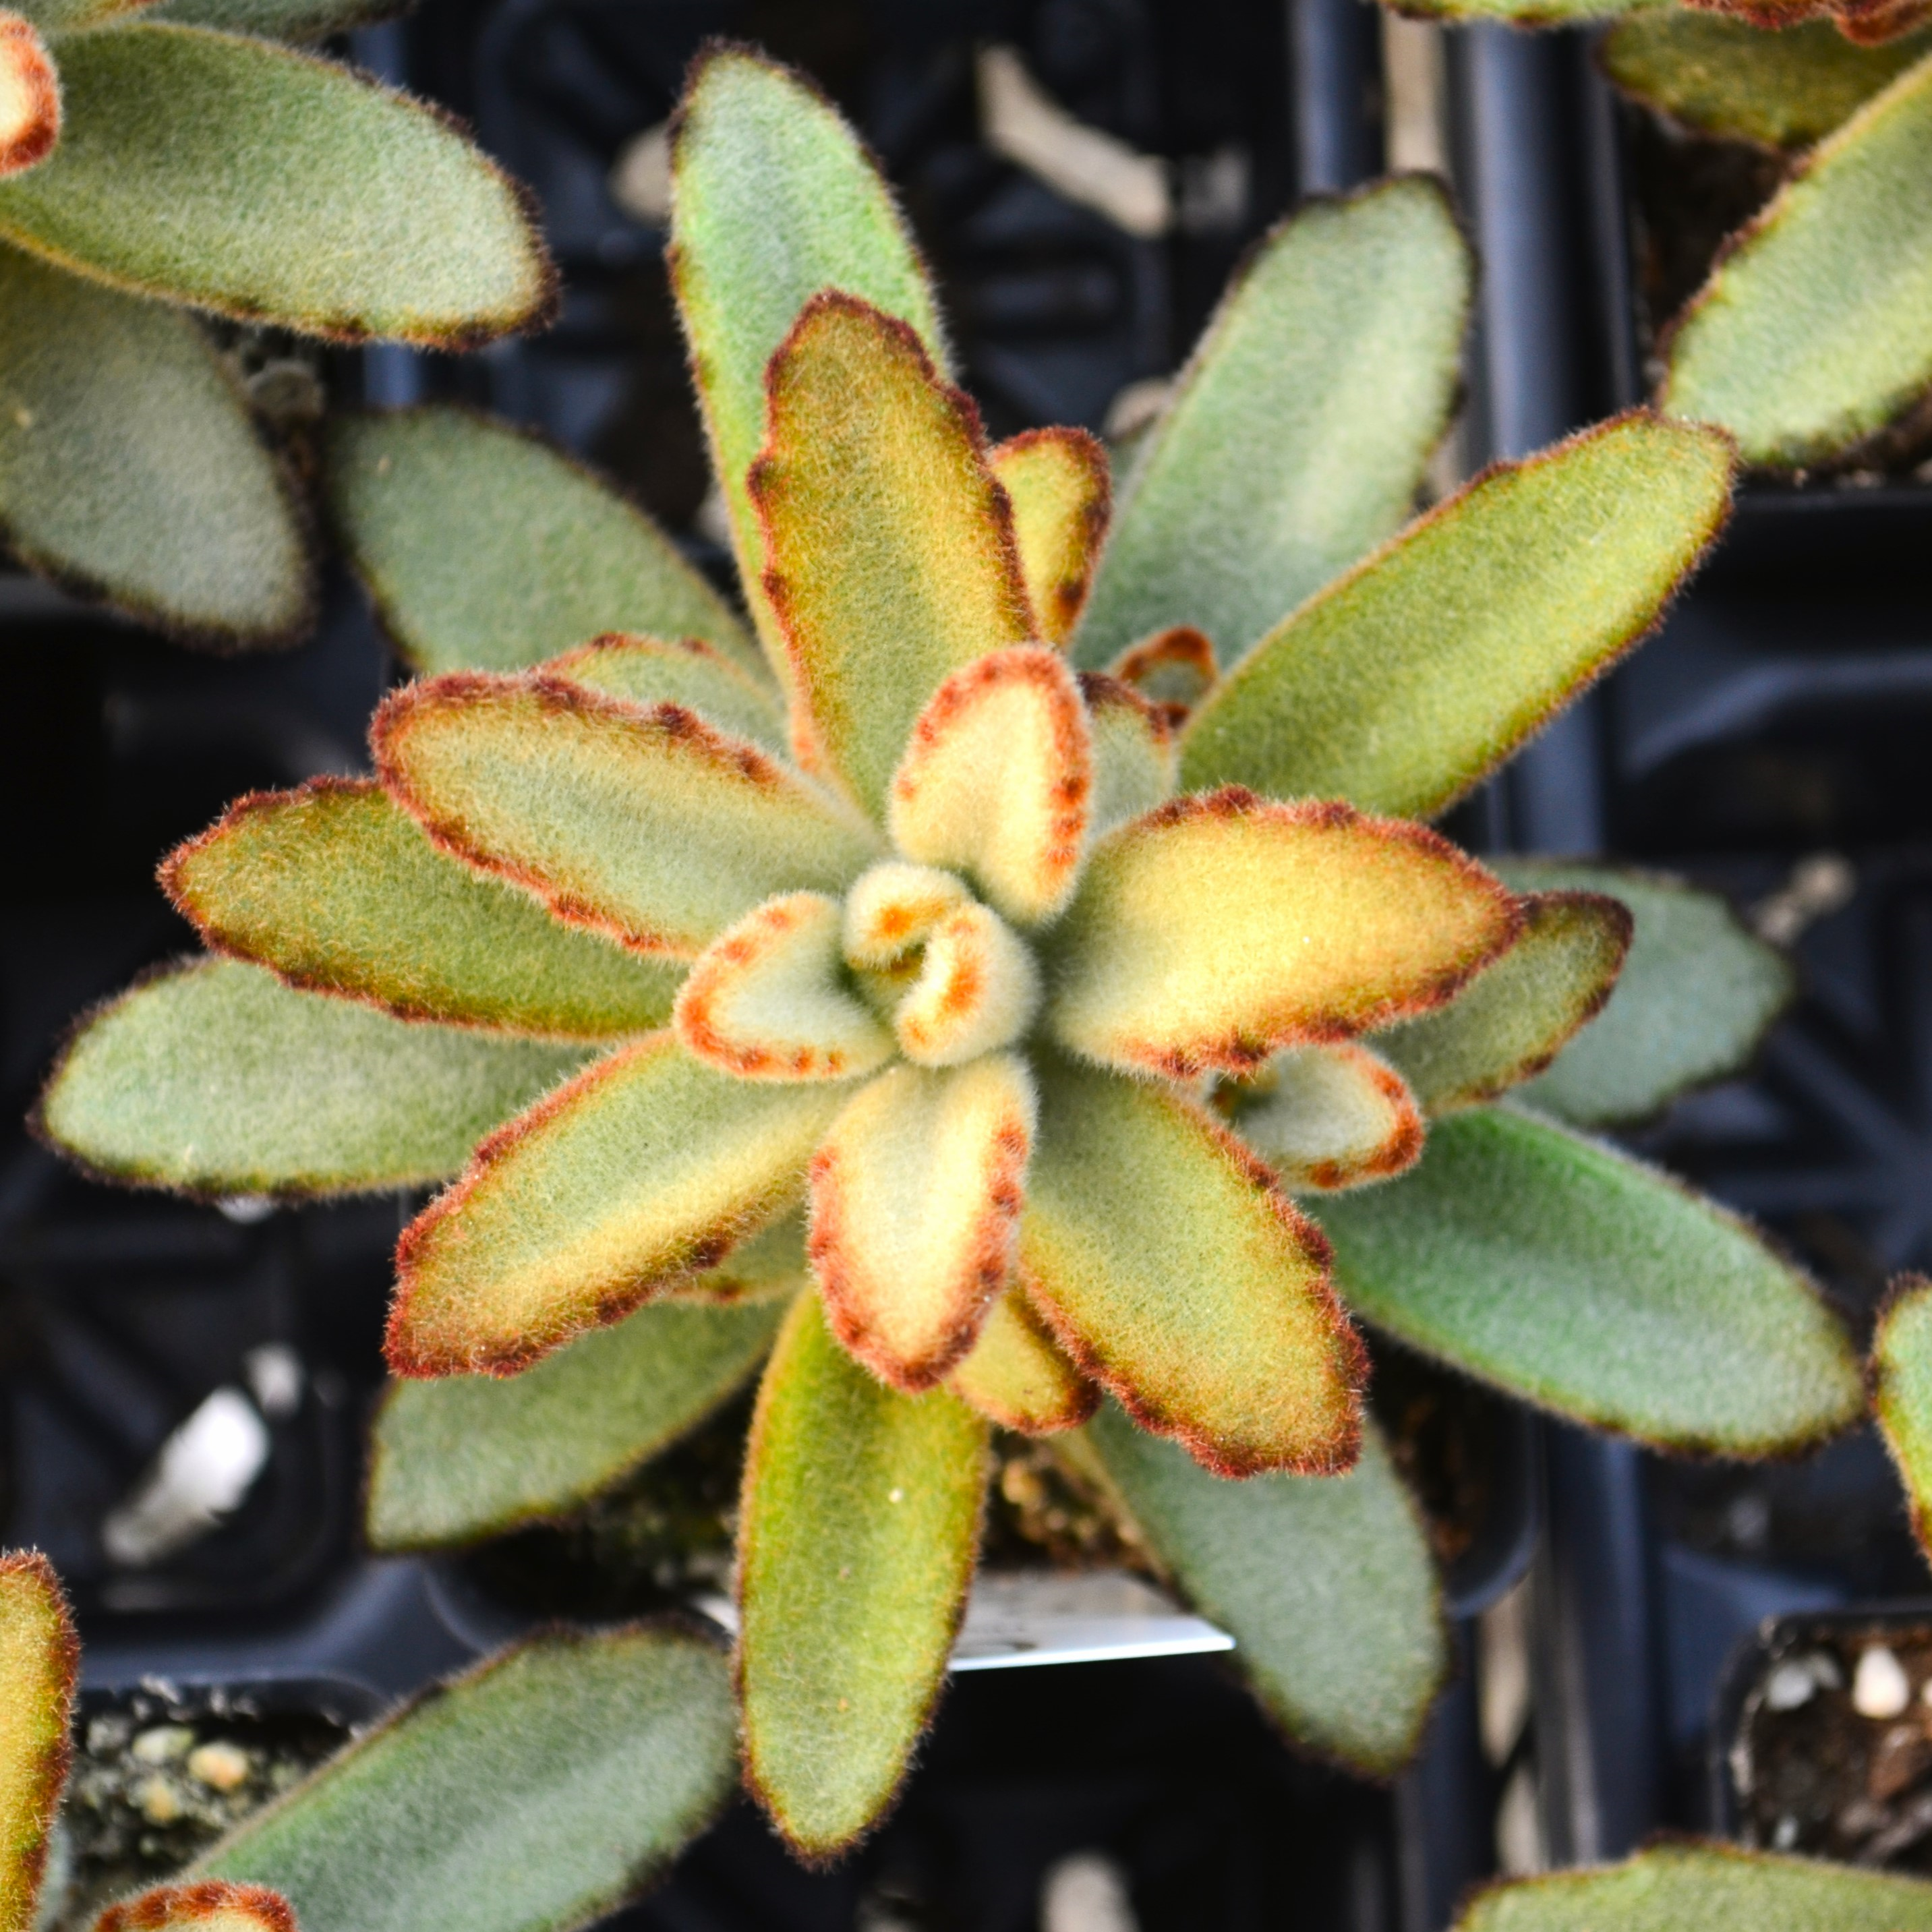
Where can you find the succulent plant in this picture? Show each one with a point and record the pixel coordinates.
(538, 1790)
(858, 997)
(153, 161)
(1812, 337)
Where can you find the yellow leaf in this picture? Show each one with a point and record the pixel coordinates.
(1057, 480)
(1016, 1375)
(39, 1658)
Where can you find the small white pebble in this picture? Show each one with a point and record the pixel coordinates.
(1879, 1687)
(221, 1766)
(159, 1802)
(1785, 1834)
(163, 1744)
(1792, 1685)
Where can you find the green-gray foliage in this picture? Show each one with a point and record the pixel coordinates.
(533, 1795)
(300, 20)
(1326, 1584)
(1573, 1276)
(1902, 1393)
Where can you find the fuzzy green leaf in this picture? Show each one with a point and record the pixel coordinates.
(1017, 1375)
(1706, 1887)
(1815, 330)
(246, 177)
(1327, 1116)
(646, 1167)
(890, 556)
(1325, 1583)
(217, 1079)
(1060, 487)
(298, 20)
(1175, 1274)
(1571, 1275)
(1727, 78)
(484, 548)
(1902, 1393)
(651, 671)
(1300, 430)
(1486, 617)
(336, 889)
(1514, 1018)
(773, 199)
(129, 465)
(211, 1905)
(860, 1520)
(470, 1457)
(1696, 995)
(649, 827)
(62, 16)
(1134, 765)
(536, 1793)
(40, 1660)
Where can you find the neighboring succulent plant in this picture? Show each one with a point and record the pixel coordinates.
(540, 1790)
(1044, 1046)
(1812, 334)
(152, 162)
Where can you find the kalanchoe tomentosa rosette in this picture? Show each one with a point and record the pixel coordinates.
(941, 994)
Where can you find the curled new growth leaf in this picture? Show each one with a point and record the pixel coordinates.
(1902, 1393)
(1173, 669)
(212, 1905)
(30, 99)
(1017, 1375)
(1060, 487)
(40, 1659)
(1328, 1116)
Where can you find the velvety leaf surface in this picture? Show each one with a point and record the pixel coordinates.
(1902, 1393)
(40, 1659)
(300, 20)
(889, 559)
(1816, 329)
(213, 1905)
(977, 991)
(335, 887)
(129, 465)
(1486, 616)
(216, 1078)
(1328, 1117)
(646, 1166)
(1514, 1018)
(1016, 1375)
(485, 548)
(1696, 995)
(772, 199)
(1700, 1887)
(1173, 1272)
(555, 1780)
(649, 827)
(1574, 1277)
(30, 96)
(243, 177)
(469, 1457)
(1134, 763)
(59, 16)
(1300, 430)
(650, 671)
(857, 1531)
(1727, 78)
(1325, 1583)
(1059, 486)
(1216, 929)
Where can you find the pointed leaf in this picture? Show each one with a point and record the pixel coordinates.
(915, 1195)
(266, 185)
(469, 1457)
(1727, 78)
(995, 781)
(539, 1792)
(40, 1660)
(212, 1905)
(1175, 1272)
(215, 1079)
(767, 999)
(857, 1531)
(648, 826)
(1060, 488)
(1511, 1021)
(650, 671)
(1700, 1887)
(1299, 432)
(890, 558)
(30, 96)
(1328, 1117)
(484, 548)
(300, 20)
(773, 198)
(129, 466)
(1214, 930)
(1902, 1392)
(646, 1166)
(1486, 617)
(1696, 995)
(1571, 1275)
(1016, 1375)
(1134, 763)
(334, 886)
(1325, 1583)
(1815, 329)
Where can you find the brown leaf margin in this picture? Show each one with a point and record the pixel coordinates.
(1180, 645)
(1085, 1396)
(24, 53)
(1879, 1392)
(1399, 1151)
(1090, 458)
(168, 1905)
(51, 1779)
